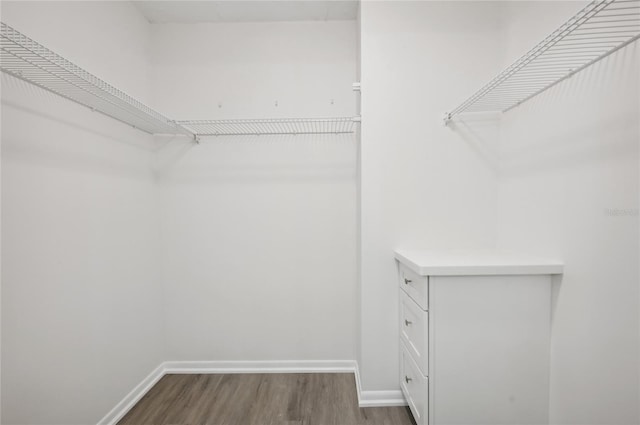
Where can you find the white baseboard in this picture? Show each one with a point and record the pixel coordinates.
(133, 397)
(264, 366)
(381, 398)
(378, 398)
(365, 398)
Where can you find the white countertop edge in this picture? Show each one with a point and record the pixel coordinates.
(478, 263)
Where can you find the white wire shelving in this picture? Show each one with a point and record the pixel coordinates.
(598, 30)
(272, 126)
(24, 58)
(28, 60)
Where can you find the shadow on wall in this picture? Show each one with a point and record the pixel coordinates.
(258, 159)
(29, 98)
(42, 128)
(45, 129)
(588, 118)
(564, 125)
(481, 134)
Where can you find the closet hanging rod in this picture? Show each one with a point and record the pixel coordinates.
(272, 126)
(595, 32)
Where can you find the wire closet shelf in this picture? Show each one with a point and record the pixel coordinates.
(596, 31)
(24, 58)
(272, 126)
(28, 60)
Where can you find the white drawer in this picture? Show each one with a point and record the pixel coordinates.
(415, 285)
(415, 387)
(414, 331)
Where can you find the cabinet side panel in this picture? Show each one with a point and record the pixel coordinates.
(489, 349)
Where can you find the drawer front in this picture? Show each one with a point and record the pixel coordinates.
(415, 387)
(415, 285)
(414, 331)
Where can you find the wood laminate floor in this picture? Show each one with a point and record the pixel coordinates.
(260, 399)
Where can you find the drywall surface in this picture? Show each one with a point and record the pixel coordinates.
(258, 232)
(569, 189)
(81, 307)
(423, 186)
(358, 189)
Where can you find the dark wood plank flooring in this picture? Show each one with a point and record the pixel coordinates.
(260, 399)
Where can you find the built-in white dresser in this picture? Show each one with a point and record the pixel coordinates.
(474, 336)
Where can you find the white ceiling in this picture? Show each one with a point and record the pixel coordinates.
(247, 11)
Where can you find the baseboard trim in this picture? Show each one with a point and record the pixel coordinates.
(358, 385)
(264, 366)
(133, 397)
(381, 398)
(365, 398)
(378, 398)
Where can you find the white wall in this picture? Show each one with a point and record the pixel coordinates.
(258, 233)
(569, 189)
(81, 305)
(358, 95)
(422, 184)
(254, 240)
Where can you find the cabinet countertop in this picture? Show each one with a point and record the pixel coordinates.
(475, 263)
